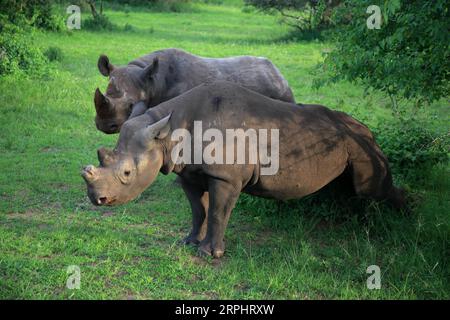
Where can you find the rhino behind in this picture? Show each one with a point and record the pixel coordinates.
(165, 74)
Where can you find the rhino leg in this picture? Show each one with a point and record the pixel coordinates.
(222, 199)
(199, 204)
(372, 177)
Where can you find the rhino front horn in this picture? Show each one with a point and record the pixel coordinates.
(89, 173)
(102, 105)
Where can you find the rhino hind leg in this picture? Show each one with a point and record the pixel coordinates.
(372, 177)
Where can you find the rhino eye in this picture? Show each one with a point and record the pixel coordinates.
(127, 173)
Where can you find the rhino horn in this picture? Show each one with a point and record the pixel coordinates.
(102, 104)
(105, 156)
(157, 130)
(89, 173)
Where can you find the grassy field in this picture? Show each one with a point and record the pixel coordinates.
(301, 250)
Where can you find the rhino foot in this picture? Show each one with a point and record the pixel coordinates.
(206, 249)
(190, 240)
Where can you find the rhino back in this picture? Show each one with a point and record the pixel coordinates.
(312, 146)
(181, 71)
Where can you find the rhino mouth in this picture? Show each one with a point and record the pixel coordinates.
(107, 127)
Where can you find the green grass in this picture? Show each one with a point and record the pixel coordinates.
(302, 250)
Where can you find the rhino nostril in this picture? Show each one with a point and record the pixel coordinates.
(113, 127)
(102, 200)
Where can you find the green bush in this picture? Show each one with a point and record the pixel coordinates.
(126, 9)
(54, 54)
(17, 52)
(172, 6)
(411, 148)
(151, 5)
(99, 23)
(37, 13)
(128, 28)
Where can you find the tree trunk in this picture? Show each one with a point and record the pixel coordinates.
(93, 9)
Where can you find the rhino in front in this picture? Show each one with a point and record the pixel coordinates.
(165, 74)
(316, 146)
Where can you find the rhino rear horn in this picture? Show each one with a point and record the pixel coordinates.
(102, 105)
(105, 156)
(157, 130)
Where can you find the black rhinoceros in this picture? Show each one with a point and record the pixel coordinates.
(165, 74)
(310, 146)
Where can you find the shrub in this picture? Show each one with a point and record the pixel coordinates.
(99, 23)
(128, 28)
(126, 9)
(54, 54)
(216, 2)
(153, 5)
(247, 9)
(38, 13)
(172, 5)
(411, 148)
(17, 52)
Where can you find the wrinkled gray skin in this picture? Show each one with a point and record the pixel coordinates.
(165, 74)
(317, 145)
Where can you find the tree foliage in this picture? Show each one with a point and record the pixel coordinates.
(38, 13)
(302, 14)
(407, 57)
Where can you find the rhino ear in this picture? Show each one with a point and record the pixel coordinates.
(157, 130)
(104, 66)
(105, 156)
(151, 70)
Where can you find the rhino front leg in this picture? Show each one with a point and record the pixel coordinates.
(222, 199)
(199, 200)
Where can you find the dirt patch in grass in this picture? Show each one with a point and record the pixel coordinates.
(138, 225)
(23, 215)
(49, 149)
(218, 263)
(211, 295)
(60, 186)
(128, 296)
(198, 261)
(108, 214)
